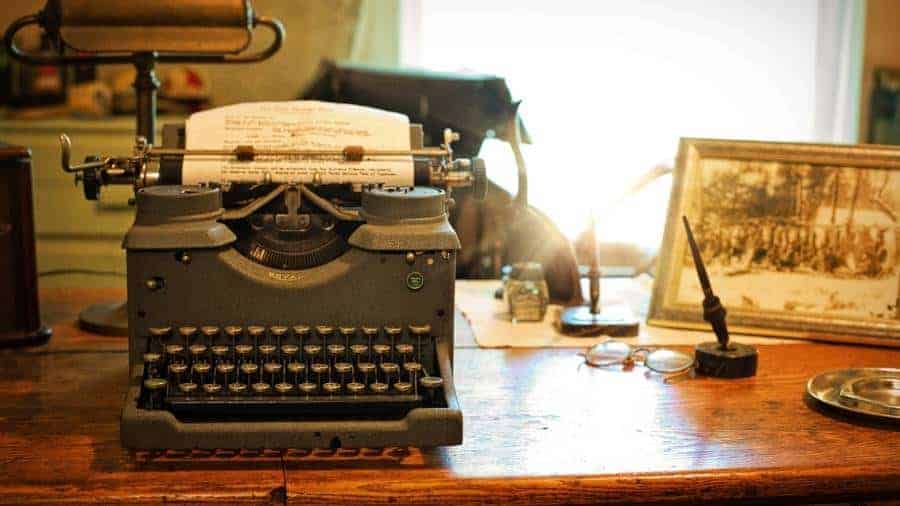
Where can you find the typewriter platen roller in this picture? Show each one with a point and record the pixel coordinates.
(288, 315)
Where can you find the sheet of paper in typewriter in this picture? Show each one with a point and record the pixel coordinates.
(298, 125)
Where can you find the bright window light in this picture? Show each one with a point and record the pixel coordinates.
(607, 89)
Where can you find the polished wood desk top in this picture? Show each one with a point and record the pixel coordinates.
(539, 428)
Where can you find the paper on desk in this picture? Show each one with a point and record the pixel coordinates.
(303, 124)
(493, 327)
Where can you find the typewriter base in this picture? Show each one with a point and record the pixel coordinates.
(143, 429)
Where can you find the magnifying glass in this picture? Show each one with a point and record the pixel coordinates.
(660, 360)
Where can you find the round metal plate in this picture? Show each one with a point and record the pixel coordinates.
(826, 388)
(607, 353)
(668, 361)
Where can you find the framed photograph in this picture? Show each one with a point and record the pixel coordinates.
(800, 240)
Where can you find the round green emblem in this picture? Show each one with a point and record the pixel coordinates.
(415, 280)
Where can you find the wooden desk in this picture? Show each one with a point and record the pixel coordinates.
(539, 428)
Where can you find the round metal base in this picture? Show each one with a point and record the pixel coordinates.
(108, 319)
(613, 321)
(735, 361)
(17, 339)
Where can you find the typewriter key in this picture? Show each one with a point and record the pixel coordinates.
(389, 367)
(243, 350)
(151, 358)
(381, 349)
(392, 331)
(155, 383)
(404, 349)
(187, 387)
(155, 388)
(272, 368)
(336, 349)
(220, 350)
(249, 369)
(312, 349)
(290, 349)
(378, 387)
(356, 388)
(267, 349)
(283, 388)
(209, 331)
(319, 368)
(178, 369)
(359, 349)
(370, 331)
(307, 387)
(233, 331)
(331, 387)
(402, 387)
(225, 368)
(212, 388)
(237, 388)
(420, 330)
(174, 349)
(261, 387)
(365, 367)
(201, 368)
(343, 367)
(160, 331)
(256, 330)
(324, 330)
(431, 382)
(412, 366)
(296, 367)
(301, 331)
(187, 330)
(347, 331)
(277, 330)
(198, 349)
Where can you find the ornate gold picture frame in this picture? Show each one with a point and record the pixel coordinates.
(800, 240)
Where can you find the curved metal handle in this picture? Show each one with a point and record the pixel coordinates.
(65, 146)
(105, 58)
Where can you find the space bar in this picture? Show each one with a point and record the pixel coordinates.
(360, 406)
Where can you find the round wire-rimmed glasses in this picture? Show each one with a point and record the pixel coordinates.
(660, 360)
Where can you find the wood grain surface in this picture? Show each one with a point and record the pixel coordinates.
(540, 428)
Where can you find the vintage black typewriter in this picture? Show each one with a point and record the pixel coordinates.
(283, 311)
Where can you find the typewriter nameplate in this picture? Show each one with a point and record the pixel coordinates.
(284, 276)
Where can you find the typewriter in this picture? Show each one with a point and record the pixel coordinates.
(287, 311)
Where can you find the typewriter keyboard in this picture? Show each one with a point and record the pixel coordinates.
(304, 370)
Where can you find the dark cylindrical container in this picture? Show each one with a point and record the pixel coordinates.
(20, 319)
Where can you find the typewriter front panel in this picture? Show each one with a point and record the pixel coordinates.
(223, 345)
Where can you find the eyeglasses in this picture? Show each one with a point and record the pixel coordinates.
(661, 360)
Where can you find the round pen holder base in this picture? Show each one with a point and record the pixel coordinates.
(733, 361)
(613, 321)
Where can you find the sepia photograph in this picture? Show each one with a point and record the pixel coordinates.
(805, 247)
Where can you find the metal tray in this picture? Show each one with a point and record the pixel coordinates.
(872, 392)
